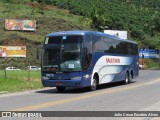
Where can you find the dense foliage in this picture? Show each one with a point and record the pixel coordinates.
(141, 18)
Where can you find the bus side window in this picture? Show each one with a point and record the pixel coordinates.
(87, 51)
(111, 49)
(87, 58)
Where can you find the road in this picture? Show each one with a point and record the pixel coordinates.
(143, 94)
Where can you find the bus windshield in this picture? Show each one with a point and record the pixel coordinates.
(62, 53)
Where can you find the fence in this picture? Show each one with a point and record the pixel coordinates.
(27, 75)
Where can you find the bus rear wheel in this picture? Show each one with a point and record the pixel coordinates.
(130, 78)
(60, 89)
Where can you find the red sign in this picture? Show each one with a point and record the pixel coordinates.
(112, 60)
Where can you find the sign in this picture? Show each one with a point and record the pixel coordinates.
(149, 53)
(24, 25)
(118, 33)
(37, 114)
(12, 51)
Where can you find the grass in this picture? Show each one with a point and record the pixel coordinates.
(46, 23)
(50, 21)
(153, 63)
(22, 80)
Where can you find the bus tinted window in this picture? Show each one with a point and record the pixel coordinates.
(65, 39)
(55, 40)
(87, 51)
(109, 45)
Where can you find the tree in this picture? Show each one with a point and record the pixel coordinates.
(157, 22)
(154, 25)
(96, 19)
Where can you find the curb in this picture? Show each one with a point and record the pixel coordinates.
(3, 92)
(6, 93)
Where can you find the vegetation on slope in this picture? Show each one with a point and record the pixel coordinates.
(141, 18)
(50, 20)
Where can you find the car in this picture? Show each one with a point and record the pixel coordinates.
(141, 66)
(12, 68)
(33, 68)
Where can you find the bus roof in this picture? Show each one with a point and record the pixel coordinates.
(82, 32)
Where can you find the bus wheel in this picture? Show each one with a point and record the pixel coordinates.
(94, 85)
(60, 89)
(130, 78)
(126, 81)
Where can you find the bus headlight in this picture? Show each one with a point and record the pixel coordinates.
(76, 78)
(45, 78)
(86, 76)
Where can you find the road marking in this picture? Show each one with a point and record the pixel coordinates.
(152, 82)
(93, 94)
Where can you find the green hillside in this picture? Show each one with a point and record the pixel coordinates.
(141, 18)
(53, 19)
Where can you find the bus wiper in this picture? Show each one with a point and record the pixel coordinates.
(66, 71)
(71, 70)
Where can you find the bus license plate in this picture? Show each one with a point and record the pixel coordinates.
(59, 83)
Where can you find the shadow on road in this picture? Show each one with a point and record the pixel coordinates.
(82, 90)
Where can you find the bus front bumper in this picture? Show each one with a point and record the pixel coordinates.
(63, 83)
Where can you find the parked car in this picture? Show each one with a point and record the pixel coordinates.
(12, 68)
(33, 68)
(141, 66)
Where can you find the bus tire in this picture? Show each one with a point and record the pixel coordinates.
(60, 89)
(93, 87)
(126, 81)
(130, 78)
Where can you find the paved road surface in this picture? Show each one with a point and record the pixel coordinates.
(143, 94)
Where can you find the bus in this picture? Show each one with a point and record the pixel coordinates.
(87, 59)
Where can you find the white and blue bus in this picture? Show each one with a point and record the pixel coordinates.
(87, 59)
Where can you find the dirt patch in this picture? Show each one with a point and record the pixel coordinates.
(46, 7)
(16, 42)
(143, 62)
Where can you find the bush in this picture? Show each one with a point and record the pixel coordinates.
(153, 63)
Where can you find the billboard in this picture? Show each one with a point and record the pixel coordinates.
(118, 33)
(148, 53)
(24, 25)
(12, 51)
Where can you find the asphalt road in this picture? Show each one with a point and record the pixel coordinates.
(143, 94)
